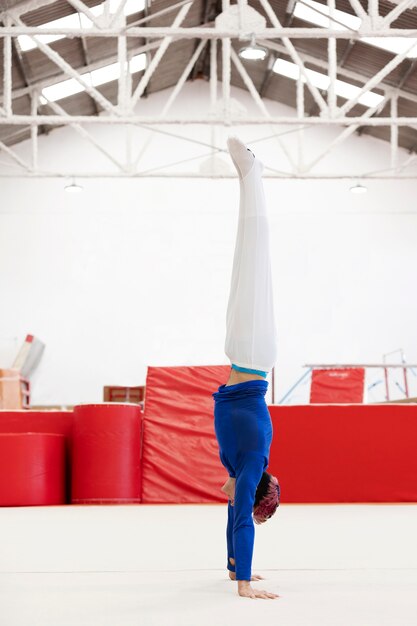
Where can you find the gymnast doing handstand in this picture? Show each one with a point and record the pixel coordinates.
(242, 422)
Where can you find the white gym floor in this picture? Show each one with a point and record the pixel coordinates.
(332, 565)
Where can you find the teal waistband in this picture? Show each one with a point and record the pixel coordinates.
(247, 370)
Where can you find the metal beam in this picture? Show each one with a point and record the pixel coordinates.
(57, 120)
(342, 72)
(397, 11)
(199, 175)
(47, 82)
(182, 13)
(201, 32)
(67, 69)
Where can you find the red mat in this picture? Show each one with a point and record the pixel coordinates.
(345, 453)
(180, 453)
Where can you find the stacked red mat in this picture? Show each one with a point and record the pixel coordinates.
(111, 453)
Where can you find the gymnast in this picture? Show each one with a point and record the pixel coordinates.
(241, 418)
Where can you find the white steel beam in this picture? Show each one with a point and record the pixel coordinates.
(122, 96)
(7, 72)
(181, 81)
(25, 7)
(119, 12)
(406, 163)
(375, 80)
(295, 57)
(346, 133)
(173, 96)
(199, 175)
(394, 132)
(259, 102)
(373, 8)
(82, 8)
(34, 131)
(202, 32)
(358, 8)
(47, 82)
(332, 69)
(59, 120)
(86, 135)
(341, 71)
(213, 75)
(300, 132)
(182, 13)
(397, 11)
(67, 69)
(14, 156)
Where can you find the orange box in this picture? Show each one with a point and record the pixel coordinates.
(10, 389)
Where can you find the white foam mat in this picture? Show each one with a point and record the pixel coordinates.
(332, 565)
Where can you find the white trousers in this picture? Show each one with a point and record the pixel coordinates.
(251, 337)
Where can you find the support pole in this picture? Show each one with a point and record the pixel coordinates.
(182, 13)
(67, 69)
(394, 132)
(34, 131)
(226, 75)
(122, 99)
(375, 80)
(295, 57)
(373, 7)
(300, 115)
(358, 8)
(14, 156)
(332, 60)
(86, 135)
(345, 134)
(83, 8)
(258, 100)
(7, 72)
(397, 11)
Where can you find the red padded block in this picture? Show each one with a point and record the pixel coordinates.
(337, 385)
(32, 469)
(59, 422)
(106, 453)
(180, 453)
(345, 453)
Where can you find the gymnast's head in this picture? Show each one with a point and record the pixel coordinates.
(266, 498)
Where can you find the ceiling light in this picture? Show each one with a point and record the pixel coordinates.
(73, 187)
(358, 188)
(253, 52)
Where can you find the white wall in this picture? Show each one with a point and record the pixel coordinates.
(133, 273)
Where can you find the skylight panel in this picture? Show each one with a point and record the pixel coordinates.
(321, 81)
(64, 89)
(344, 21)
(101, 76)
(75, 20)
(70, 21)
(309, 14)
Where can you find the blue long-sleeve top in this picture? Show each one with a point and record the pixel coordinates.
(244, 432)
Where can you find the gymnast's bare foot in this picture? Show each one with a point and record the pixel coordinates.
(232, 576)
(242, 157)
(247, 591)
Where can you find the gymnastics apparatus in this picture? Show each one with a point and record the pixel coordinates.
(242, 422)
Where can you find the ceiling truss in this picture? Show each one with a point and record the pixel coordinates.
(212, 42)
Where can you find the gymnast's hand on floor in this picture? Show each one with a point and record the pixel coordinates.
(247, 591)
(229, 489)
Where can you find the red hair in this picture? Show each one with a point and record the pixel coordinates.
(269, 503)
